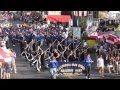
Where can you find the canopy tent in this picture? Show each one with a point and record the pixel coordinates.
(5, 55)
(113, 15)
(103, 15)
(58, 18)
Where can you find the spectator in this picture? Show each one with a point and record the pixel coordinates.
(13, 62)
(7, 70)
(100, 65)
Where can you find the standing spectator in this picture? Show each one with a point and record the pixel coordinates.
(87, 63)
(7, 70)
(13, 61)
(53, 64)
(1, 70)
(109, 64)
(119, 65)
(100, 65)
(85, 44)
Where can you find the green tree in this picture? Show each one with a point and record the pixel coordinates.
(82, 22)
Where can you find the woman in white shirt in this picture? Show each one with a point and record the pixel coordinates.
(100, 65)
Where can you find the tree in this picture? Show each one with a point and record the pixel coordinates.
(82, 22)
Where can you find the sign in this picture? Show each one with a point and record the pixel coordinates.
(54, 12)
(70, 68)
(91, 43)
(113, 15)
(76, 32)
(5, 25)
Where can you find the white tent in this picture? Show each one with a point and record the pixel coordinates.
(113, 14)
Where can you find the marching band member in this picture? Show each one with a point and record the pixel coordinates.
(66, 53)
(71, 56)
(56, 54)
(59, 47)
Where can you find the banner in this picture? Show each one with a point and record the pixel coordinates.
(68, 68)
(77, 32)
(74, 22)
(91, 43)
(54, 12)
(6, 25)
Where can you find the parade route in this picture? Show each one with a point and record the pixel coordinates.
(24, 71)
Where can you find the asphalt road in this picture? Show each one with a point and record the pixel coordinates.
(26, 72)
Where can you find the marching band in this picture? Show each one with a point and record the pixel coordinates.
(37, 56)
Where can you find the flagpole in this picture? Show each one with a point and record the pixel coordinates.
(72, 32)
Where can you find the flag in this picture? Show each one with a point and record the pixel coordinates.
(75, 16)
(80, 13)
(5, 55)
(75, 21)
(111, 39)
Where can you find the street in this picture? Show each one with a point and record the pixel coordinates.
(24, 71)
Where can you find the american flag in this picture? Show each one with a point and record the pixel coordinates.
(80, 13)
(5, 55)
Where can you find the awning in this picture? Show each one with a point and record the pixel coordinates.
(58, 18)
